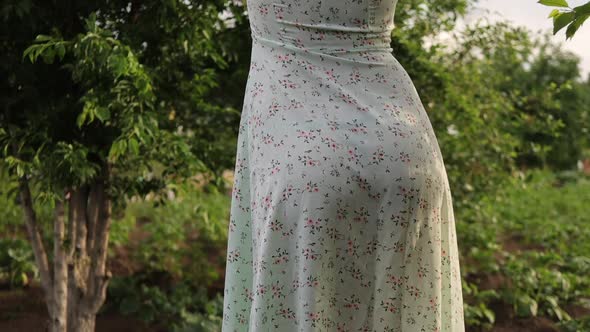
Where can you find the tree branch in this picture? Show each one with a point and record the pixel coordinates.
(36, 242)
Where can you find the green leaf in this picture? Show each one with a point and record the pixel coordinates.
(133, 146)
(553, 13)
(576, 24)
(554, 3)
(61, 51)
(43, 38)
(561, 20)
(31, 52)
(583, 9)
(81, 118)
(103, 114)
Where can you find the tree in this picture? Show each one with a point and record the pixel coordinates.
(95, 111)
(573, 18)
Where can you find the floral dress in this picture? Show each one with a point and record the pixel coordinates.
(341, 213)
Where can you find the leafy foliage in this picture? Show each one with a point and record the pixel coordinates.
(573, 18)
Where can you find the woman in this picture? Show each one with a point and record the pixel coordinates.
(341, 215)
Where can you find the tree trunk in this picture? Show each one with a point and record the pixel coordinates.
(83, 323)
(75, 288)
(37, 243)
(60, 272)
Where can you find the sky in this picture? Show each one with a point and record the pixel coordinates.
(534, 16)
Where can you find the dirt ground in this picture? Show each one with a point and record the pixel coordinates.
(23, 310)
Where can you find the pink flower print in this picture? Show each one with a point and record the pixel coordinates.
(259, 265)
(313, 224)
(341, 327)
(257, 89)
(311, 187)
(389, 305)
(404, 156)
(233, 255)
(362, 183)
(331, 143)
(379, 78)
(399, 220)
(333, 125)
(307, 65)
(352, 302)
(267, 138)
(422, 272)
(378, 156)
(287, 234)
(348, 98)
(361, 215)
(242, 318)
(411, 118)
(355, 77)
(276, 225)
(398, 247)
(367, 42)
(237, 193)
(311, 281)
(396, 131)
(423, 203)
(287, 313)
(312, 316)
(351, 247)
(256, 121)
(307, 160)
(393, 109)
(309, 253)
(277, 291)
(412, 290)
(279, 13)
(433, 303)
(353, 155)
(232, 226)
(263, 10)
(294, 104)
(284, 59)
(274, 164)
(287, 192)
(356, 273)
(307, 135)
(331, 76)
(318, 35)
(282, 256)
(357, 128)
(341, 213)
(394, 281)
(288, 84)
(333, 233)
(371, 247)
(406, 193)
(248, 295)
(363, 108)
(267, 201)
(260, 290)
(274, 108)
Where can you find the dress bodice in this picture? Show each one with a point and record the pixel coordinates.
(332, 26)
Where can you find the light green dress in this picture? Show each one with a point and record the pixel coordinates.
(341, 213)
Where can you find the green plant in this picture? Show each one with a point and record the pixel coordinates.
(174, 306)
(573, 18)
(17, 262)
(477, 313)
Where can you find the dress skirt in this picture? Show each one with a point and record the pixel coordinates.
(341, 214)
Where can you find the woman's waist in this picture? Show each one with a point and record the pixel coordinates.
(325, 38)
